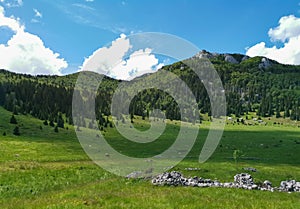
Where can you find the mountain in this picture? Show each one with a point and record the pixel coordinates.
(253, 84)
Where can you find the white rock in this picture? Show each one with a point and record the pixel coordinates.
(231, 59)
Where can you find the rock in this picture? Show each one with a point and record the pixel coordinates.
(192, 169)
(227, 185)
(245, 58)
(241, 181)
(267, 183)
(230, 59)
(134, 175)
(205, 54)
(250, 169)
(289, 186)
(169, 178)
(265, 63)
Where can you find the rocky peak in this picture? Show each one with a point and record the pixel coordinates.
(265, 63)
(205, 54)
(230, 59)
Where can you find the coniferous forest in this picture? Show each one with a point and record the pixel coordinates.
(272, 90)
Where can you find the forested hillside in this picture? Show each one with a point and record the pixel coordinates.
(251, 85)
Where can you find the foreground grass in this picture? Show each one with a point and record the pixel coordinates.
(44, 169)
(120, 193)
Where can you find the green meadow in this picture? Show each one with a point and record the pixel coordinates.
(44, 169)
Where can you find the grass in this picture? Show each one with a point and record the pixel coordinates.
(44, 169)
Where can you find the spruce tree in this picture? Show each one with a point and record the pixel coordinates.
(16, 131)
(13, 120)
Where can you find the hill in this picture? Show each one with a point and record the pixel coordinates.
(251, 85)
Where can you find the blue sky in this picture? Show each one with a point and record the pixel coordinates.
(75, 29)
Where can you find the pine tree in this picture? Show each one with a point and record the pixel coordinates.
(60, 121)
(13, 120)
(51, 123)
(16, 131)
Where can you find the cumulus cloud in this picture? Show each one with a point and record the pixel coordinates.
(288, 33)
(138, 63)
(111, 61)
(26, 52)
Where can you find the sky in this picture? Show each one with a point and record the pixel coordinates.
(63, 36)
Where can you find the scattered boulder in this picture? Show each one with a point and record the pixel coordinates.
(192, 169)
(241, 181)
(173, 178)
(134, 175)
(289, 186)
(250, 169)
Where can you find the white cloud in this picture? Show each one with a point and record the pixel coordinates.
(110, 60)
(11, 22)
(37, 13)
(138, 63)
(104, 58)
(288, 33)
(89, 0)
(26, 52)
(12, 3)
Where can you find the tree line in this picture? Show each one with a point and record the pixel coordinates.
(274, 91)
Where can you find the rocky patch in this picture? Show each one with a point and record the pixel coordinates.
(241, 181)
(230, 59)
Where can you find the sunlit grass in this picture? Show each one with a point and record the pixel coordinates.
(44, 169)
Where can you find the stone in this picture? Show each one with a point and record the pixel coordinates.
(205, 54)
(267, 183)
(230, 59)
(245, 58)
(192, 169)
(241, 181)
(250, 169)
(265, 63)
(134, 175)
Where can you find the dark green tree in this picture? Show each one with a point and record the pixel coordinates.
(51, 123)
(13, 120)
(60, 121)
(16, 131)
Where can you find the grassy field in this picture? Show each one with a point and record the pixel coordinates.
(44, 169)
